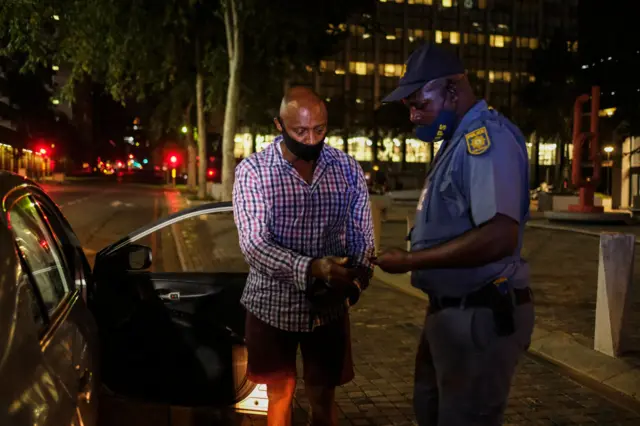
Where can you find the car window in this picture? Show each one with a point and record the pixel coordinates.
(74, 258)
(39, 251)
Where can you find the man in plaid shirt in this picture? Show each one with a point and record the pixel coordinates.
(302, 213)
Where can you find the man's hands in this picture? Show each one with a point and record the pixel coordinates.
(333, 270)
(394, 261)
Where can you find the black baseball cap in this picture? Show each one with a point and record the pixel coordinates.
(427, 63)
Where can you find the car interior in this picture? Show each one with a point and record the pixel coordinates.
(172, 338)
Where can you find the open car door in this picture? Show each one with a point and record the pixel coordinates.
(176, 337)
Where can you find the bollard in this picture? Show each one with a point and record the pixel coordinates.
(376, 218)
(410, 222)
(615, 275)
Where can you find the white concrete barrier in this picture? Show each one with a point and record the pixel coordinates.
(615, 275)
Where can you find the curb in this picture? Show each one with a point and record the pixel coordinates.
(556, 347)
(181, 247)
(571, 229)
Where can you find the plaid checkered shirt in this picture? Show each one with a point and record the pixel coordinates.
(284, 224)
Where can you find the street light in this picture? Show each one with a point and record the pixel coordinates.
(609, 149)
(184, 129)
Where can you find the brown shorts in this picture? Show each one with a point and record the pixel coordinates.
(326, 353)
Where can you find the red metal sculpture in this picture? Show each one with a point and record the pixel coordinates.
(586, 185)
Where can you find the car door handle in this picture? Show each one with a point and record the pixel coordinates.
(86, 387)
(171, 296)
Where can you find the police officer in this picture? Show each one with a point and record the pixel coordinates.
(465, 246)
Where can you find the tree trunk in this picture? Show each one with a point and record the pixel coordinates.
(191, 150)
(235, 50)
(202, 137)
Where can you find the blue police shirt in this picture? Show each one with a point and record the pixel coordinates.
(482, 171)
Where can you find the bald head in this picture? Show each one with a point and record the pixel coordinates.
(304, 115)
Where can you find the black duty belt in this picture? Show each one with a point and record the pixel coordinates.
(483, 298)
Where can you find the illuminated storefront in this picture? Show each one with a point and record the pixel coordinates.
(360, 148)
(390, 151)
(243, 145)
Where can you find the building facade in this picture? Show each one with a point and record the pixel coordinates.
(494, 38)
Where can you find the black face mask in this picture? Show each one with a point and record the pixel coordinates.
(301, 150)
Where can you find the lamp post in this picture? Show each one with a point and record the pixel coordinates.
(608, 150)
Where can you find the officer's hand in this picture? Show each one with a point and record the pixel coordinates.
(393, 261)
(332, 270)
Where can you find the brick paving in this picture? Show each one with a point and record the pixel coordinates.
(564, 271)
(386, 326)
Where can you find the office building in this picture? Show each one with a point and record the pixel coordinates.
(494, 38)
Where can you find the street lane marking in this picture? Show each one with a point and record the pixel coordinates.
(76, 201)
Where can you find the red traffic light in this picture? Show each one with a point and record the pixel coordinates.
(131, 156)
(211, 172)
(173, 159)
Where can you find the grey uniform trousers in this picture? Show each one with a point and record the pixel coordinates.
(464, 369)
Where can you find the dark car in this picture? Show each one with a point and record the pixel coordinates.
(120, 333)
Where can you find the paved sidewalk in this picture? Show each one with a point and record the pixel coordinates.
(386, 326)
(564, 268)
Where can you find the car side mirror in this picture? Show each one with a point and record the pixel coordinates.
(138, 257)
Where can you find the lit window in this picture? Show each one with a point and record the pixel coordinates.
(391, 37)
(359, 68)
(447, 3)
(392, 70)
(480, 74)
(243, 145)
(419, 33)
(482, 4)
(532, 78)
(336, 142)
(496, 40)
(55, 68)
(416, 151)
(492, 76)
(533, 43)
(506, 76)
(454, 38)
(547, 154)
(340, 71)
(480, 39)
(438, 36)
(360, 148)
(391, 149)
